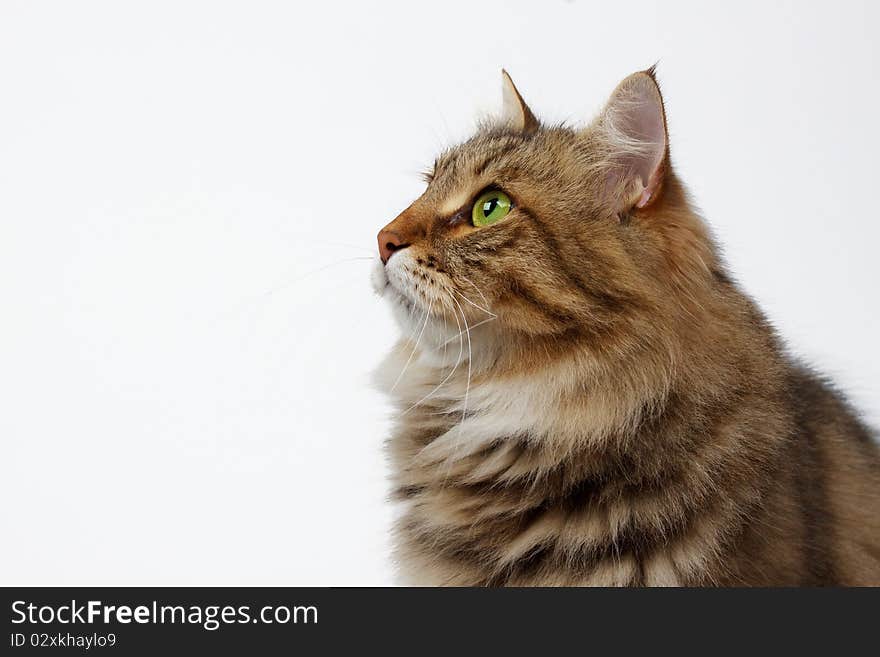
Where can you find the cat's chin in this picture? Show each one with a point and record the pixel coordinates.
(407, 315)
(417, 318)
(415, 324)
(378, 278)
(402, 309)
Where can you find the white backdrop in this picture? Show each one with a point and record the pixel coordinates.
(188, 192)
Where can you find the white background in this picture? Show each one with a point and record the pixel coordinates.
(187, 193)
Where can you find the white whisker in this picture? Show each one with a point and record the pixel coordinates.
(480, 323)
(282, 285)
(479, 291)
(469, 366)
(312, 272)
(448, 376)
(415, 347)
(488, 312)
(460, 438)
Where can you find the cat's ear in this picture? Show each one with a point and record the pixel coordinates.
(515, 113)
(633, 129)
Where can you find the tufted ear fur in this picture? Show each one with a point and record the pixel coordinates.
(514, 111)
(633, 128)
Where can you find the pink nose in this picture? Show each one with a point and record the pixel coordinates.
(389, 242)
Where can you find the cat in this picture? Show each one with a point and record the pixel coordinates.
(583, 394)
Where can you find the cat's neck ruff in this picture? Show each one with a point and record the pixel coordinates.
(563, 404)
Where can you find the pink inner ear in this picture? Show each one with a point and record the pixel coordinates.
(644, 198)
(637, 111)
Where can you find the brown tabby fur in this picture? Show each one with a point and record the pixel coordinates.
(627, 416)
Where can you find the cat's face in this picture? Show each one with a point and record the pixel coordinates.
(529, 230)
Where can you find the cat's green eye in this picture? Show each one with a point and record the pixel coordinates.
(490, 207)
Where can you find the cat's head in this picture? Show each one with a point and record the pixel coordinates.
(548, 234)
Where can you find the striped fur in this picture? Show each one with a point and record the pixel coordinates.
(620, 414)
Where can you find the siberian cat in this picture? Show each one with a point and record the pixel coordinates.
(585, 396)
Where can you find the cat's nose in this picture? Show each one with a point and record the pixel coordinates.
(389, 242)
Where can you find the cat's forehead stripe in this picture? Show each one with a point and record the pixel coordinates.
(497, 152)
(475, 155)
